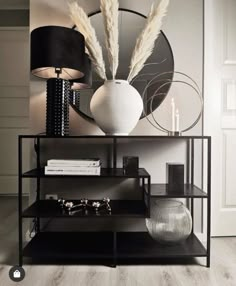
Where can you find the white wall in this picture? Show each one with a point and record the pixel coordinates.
(183, 27)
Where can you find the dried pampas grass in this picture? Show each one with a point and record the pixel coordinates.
(146, 41)
(82, 22)
(109, 9)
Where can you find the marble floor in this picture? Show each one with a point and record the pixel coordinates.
(221, 273)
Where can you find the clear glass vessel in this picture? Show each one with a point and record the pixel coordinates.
(170, 221)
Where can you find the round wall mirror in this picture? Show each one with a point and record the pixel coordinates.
(131, 24)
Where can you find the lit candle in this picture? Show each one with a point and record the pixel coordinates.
(177, 120)
(173, 113)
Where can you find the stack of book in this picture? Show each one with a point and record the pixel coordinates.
(89, 167)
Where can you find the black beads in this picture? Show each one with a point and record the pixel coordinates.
(75, 98)
(57, 114)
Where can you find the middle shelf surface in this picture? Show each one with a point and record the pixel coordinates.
(119, 208)
(186, 191)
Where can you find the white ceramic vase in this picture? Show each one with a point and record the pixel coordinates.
(116, 107)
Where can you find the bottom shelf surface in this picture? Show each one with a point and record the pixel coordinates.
(141, 245)
(70, 245)
(98, 247)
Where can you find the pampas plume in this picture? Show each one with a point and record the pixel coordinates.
(146, 41)
(82, 22)
(109, 9)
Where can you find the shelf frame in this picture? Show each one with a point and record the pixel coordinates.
(145, 181)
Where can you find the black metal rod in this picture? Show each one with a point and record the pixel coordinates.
(143, 189)
(192, 161)
(38, 153)
(208, 201)
(188, 162)
(114, 249)
(109, 158)
(188, 167)
(114, 153)
(149, 196)
(192, 180)
(20, 200)
(38, 150)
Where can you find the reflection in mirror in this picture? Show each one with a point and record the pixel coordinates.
(130, 25)
(84, 82)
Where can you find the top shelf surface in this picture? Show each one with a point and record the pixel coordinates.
(105, 173)
(115, 137)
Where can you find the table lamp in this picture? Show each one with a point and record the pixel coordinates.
(57, 54)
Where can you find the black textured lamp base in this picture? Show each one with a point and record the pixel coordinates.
(57, 114)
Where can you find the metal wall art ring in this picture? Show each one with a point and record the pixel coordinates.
(158, 93)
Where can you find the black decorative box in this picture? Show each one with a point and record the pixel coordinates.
(130, 165)
(175, 177)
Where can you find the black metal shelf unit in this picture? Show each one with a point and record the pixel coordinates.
(111, 247)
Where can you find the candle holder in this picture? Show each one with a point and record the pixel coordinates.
(174, 133)
(185, 80)
(84, 205)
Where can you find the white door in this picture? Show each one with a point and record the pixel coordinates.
(220, 110)
(14, 103)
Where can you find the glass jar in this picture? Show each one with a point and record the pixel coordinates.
(170, 221)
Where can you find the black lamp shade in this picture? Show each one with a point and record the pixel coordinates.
(86, 80)
(57, 47)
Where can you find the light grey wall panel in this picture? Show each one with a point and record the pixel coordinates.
(14, 4)
(14, 18)
(14, 105)
(11, 122)
(14, 58)
(14, 91)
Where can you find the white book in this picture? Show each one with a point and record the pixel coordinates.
(79, 162)
(67, 170)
